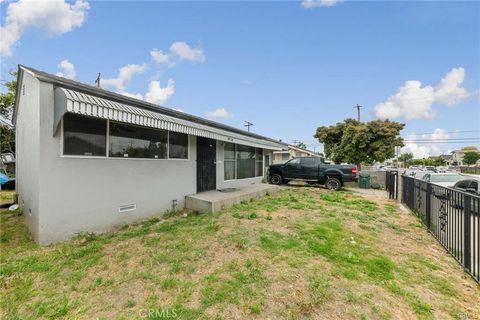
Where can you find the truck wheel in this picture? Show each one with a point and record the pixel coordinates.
(333, 184)
(276, 179)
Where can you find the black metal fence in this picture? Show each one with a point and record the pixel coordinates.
(391, 184)
(451, 216)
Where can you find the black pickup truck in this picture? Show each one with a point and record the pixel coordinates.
(312, 170)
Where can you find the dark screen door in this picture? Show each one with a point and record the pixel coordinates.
(206, 164)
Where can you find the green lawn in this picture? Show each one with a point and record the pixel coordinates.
(303, 253)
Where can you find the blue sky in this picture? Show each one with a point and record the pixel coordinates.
(286, 68)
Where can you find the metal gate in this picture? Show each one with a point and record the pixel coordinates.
(391, 184)
(206, 164)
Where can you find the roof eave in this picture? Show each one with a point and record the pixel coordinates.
(89, 89)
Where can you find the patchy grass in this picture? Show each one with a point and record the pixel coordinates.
(300, 253)
(6, 196)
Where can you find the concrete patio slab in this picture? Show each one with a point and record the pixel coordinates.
(215, 200)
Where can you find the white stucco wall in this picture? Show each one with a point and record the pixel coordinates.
(62, 196)
(27, 139)
(79, 194)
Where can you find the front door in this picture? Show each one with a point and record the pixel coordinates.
(206, 164)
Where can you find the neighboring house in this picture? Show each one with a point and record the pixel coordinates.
(89, 159)
(457, 155)
(447, 158)
(283, 156)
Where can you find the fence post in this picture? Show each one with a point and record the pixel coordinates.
(396, 185)
(428, 205)
(466, 231)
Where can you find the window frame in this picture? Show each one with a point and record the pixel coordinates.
(107, 147)
(143, 127)
(236, 164)
(77, 156)
(262, 160)
(234, 161)
(168, 148)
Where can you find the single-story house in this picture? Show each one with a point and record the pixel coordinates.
(89, 159)
(291, 152)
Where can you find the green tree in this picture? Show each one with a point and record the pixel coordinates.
(439, 162)
(7, 101)
(405, 158)
(300, 144)
(360, 142)
(471, 157)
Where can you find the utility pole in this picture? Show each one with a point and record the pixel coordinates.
(97, 81)
(248, 125)
(358, 111)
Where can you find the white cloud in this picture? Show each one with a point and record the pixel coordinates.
(155, 94)
(449, 91)
(66, 69)
(424, 150)
(54, 16)
(320, 3)
(158, 95)
(219, 113)
(159, 57)
(412, 101)
(125, 75)
(185, 52)
(138, 96)
(179, 51)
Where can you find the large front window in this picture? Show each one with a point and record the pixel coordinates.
(242, 162)
(84, 136)
(127, 141)
(178, 145)
(87, 136)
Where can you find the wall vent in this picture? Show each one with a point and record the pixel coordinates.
(127, 207)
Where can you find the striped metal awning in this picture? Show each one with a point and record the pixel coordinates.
(67, 100)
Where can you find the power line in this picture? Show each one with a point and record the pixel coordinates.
(438, 142)
(430, 133)
(444, 139)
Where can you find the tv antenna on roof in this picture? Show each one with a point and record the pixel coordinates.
(248, 125)
(97, 81)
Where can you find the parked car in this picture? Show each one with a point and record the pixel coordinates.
(442, 169)
(312, 170)
(388, 168)
(416, 172)
(443, 179)
(468, 185)
(431, 168)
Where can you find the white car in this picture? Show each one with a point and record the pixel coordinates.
(418, 173)
(443, 179)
